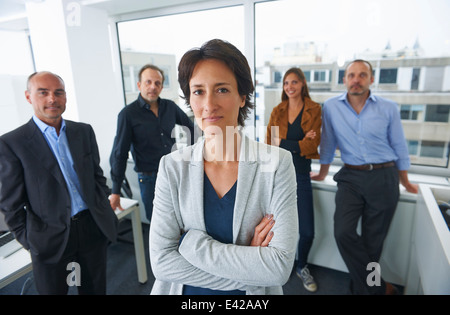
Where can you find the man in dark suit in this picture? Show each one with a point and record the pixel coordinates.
(54, 195)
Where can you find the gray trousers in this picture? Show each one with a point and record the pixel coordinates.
(371, 196)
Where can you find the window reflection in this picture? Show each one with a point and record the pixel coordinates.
(409, 51)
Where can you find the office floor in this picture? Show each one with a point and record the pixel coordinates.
(122, 274)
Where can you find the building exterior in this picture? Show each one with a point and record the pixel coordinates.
(421, 87)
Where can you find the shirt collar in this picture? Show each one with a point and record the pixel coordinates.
(43, 127)
(371, 97)
(144, 104)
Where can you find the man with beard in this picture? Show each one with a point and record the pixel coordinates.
(145, 128)
(368, 132)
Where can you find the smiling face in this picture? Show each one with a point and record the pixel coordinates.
(293, 86)
(47, 95)
(214, 97)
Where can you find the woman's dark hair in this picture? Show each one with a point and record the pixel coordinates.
(232, 57)
(301, 76)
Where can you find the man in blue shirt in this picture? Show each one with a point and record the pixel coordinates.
(145, 127)
(368, 132)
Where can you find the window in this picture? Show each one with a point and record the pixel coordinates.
(437, 113)
(412, 112)
(410, 55)
(413, 147)
(307, 74)
(169, 37)
(388, 76)
(320, 76)
(434, 149)
(415, 79)
(341, 75)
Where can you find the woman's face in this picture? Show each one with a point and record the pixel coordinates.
(214, 98)
(293, 86)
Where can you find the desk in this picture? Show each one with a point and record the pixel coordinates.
(19, 263)
(131, 207)
(15, 266)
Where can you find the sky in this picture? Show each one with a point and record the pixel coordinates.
(350, 26)
(343, 26)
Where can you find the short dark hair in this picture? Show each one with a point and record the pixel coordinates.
(150, 66)
(360, 60)
(232, 57)
(301, 76)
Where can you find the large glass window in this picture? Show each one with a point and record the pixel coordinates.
(407, 42)
(163, 41)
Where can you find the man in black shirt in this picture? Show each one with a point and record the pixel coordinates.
(145, 127)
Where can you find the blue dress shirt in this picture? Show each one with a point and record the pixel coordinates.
(375, 135)
(60, 148)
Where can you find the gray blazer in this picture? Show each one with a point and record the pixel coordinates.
(266, 184)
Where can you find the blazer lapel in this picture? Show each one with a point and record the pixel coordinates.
(306, 118)
(196, 179)
(43, 153)
(246, 175)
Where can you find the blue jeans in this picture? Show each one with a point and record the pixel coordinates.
(147, 187)
(305, 210)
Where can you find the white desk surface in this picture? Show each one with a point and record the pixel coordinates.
(14, 266)
(19, 263)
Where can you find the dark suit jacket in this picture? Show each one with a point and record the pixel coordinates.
(33, 192)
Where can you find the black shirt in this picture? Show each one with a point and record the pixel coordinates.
(294, 134)
(147, 136)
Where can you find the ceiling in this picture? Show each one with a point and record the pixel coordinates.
(13, 12)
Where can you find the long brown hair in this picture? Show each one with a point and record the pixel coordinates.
(301, 76)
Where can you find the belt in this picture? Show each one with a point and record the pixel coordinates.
(369, 167)
(148, 173)
(80, 215)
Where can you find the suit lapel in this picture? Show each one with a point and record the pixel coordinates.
(75, 147)
(39, 147)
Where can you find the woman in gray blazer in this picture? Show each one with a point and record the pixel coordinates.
(225, 212)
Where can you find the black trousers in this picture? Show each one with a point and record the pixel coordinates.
(83, 263)
(371, 196)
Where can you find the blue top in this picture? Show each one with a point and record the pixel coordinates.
(219, 225)
(294, 134)
(60, 148)
(375, 135)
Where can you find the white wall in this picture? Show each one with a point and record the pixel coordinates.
(14, 109)
(74, 41)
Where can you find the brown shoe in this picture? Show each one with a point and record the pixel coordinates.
(391, 290)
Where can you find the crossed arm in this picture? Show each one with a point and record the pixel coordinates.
(204, 262)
